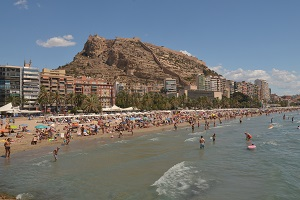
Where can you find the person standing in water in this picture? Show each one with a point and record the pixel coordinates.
(7, 147)
(214, 137)
(202, 141)
(55, 152)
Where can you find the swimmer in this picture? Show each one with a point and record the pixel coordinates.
(248, 136)
(270, 126)
(55, 152)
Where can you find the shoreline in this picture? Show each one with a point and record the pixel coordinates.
(24, 144)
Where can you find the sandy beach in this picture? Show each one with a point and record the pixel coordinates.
(24, 144)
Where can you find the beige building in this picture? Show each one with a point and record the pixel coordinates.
(58, 81)
(195, 94)
(104, 91)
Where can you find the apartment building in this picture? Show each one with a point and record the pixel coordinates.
(200, 82)
(87, 85)
(263, 88)
(170, 85)
(30, 86)
(10, 83)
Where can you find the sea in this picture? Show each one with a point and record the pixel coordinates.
(167, 165)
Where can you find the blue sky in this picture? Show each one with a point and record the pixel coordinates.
(240, 39)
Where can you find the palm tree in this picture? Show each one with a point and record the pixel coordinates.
(44, 99)
(79, 100)
(57, 99)
(70, 99)
(92, 104)
(15, 100)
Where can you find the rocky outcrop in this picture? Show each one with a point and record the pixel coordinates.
(133, 61)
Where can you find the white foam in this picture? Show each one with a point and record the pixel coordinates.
(122, 141)
(193, 139)
(42, 163)
(154, 139)
(218, 127)
(272, 142)
(179, 181)
(196, 133)
(24, 196)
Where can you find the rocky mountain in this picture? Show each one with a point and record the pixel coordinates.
(132, 61)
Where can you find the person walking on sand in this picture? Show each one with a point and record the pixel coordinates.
(7, 147)
(202, 141)
(55, 152)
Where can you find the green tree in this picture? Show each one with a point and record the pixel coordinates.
(92, 104)
(44, 99)
(57, 99)
(14, 100)
(79, 100)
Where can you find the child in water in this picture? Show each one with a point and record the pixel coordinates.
(55, 152)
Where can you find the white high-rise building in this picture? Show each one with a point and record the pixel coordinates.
(30, 87)
(264, 89)
(170, 85)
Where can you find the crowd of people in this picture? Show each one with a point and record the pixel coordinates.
(64, 128)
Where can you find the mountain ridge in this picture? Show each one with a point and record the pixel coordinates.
(132, 61)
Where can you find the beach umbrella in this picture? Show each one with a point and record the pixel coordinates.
(41, 126)
(23, 124)
(4, 130)
(13, 126)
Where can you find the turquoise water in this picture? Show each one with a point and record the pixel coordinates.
(167, 165)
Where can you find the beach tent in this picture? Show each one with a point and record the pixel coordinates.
(111, 109)
(130, 109)
(7, 107)
(115, 108)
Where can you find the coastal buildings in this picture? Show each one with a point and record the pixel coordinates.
(103, 90)
(170, 85)
(24, 83)
(200, 82)
(30, 86)
(263, 90)
(10, 83)
(57, 82)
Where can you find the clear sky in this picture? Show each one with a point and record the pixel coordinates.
(240, 39)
